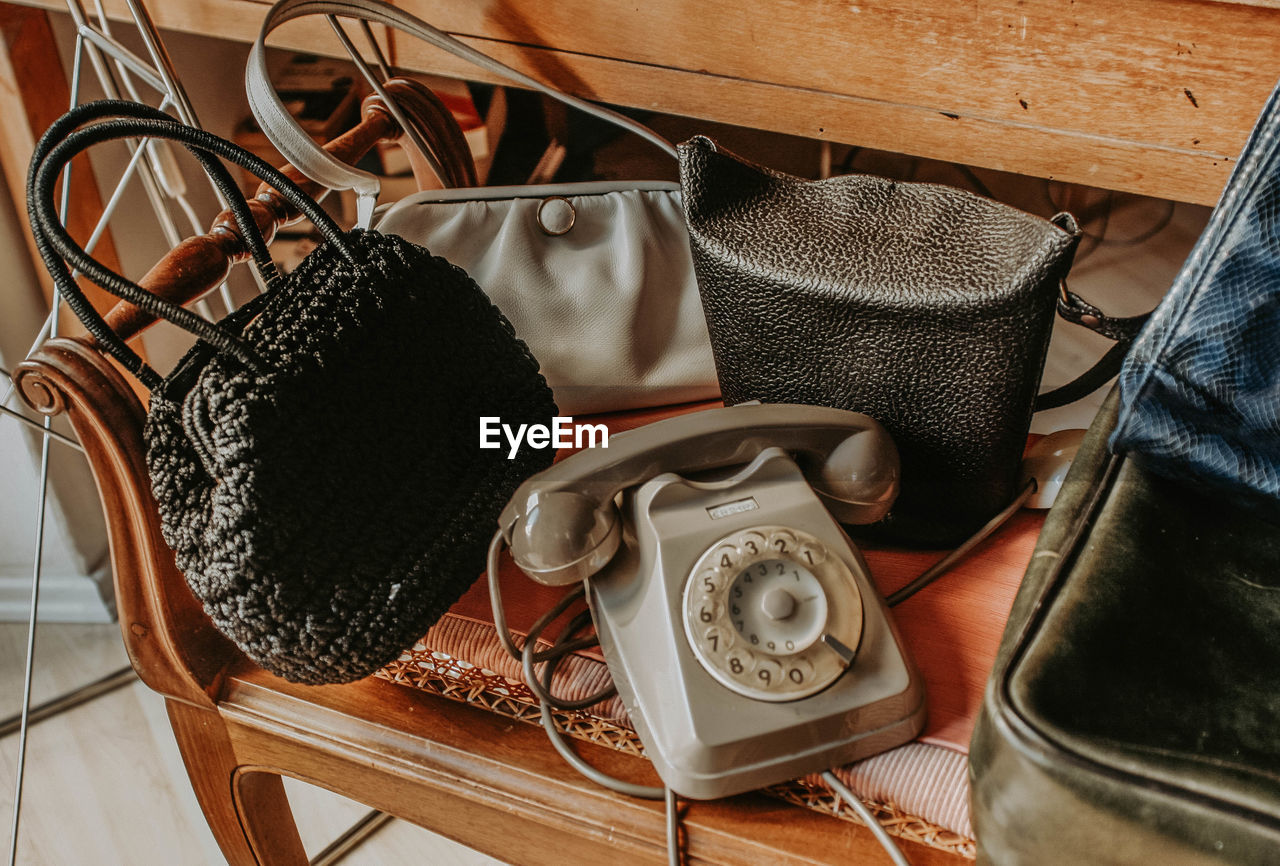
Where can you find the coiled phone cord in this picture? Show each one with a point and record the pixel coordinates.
(565, 645)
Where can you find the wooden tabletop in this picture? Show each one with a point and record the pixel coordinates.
(1151, 96)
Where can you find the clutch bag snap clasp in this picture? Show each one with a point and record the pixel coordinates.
(556, 215)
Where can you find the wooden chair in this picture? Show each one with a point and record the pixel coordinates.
(459, 770)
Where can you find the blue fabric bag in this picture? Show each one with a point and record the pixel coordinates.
(1200, 389)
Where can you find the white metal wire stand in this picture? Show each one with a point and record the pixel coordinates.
(123, 75)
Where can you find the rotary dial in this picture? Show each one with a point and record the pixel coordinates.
(772, 614)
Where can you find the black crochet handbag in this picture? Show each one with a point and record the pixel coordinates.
(315, 457)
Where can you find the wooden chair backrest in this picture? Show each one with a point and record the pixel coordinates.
(171, 642)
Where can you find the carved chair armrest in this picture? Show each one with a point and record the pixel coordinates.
(171, 643)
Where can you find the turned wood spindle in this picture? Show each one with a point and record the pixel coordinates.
(199, 264)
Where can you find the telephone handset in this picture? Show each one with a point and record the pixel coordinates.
(562, 525)
(739, 622)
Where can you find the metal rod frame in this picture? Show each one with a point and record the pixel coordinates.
(361, 830)
(94, 42)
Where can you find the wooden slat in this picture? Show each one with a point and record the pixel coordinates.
(1154, 96)
(498, 786)
(1147, 97)
(979, 59)
(920, 131)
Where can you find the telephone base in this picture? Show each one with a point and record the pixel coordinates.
(710, 729)
(748, 777)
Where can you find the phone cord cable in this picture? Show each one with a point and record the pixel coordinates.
(867, 817)
(622, 786)
(558, 651)
(673, 829)
(500, 614)
(942, 566)
(564, 646)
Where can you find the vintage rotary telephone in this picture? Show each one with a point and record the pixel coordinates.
(738, 621)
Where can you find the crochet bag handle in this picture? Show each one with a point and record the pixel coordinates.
(109, 120)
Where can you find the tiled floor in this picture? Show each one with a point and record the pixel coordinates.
(105, 784)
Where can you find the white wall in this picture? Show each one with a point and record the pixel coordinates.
(75, 583)
(75, 578)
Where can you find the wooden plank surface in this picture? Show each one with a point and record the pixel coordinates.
(498, 786)
(1153, 96)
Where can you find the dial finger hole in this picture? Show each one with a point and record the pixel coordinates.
(783, 543)
(710, 582)
(799, 672)
(707, 611)
(740, 662)
(811, 554)
(753, 544)
(767, 674)
(727, 557)
(718, 640)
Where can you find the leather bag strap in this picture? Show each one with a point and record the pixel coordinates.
(436, 135)
(1077, 310)
(1102, 372)
(313, 161)
(109, 120)
(1122, 329)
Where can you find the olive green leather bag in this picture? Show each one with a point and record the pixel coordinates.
(1133, 715)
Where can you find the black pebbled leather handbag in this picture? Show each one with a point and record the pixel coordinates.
(314, 458)
(926, 307)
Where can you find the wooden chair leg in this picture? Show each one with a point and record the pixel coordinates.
(248, 812)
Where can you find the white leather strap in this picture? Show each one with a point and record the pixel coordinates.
(316, 163)
(565, 190)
